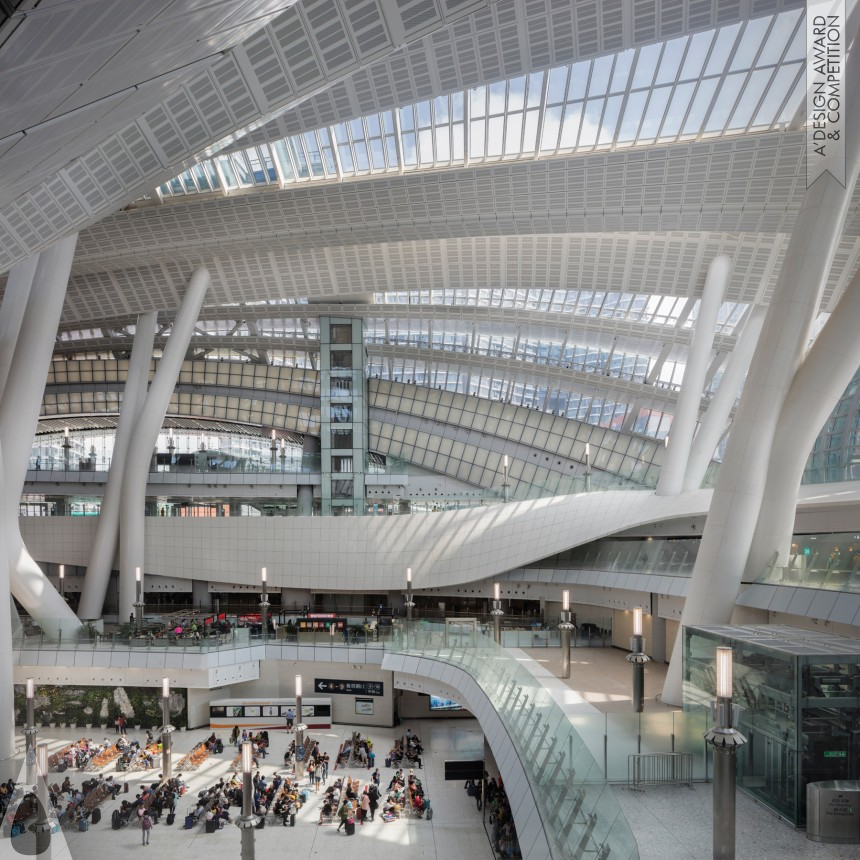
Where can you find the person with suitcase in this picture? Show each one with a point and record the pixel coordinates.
(145, 828)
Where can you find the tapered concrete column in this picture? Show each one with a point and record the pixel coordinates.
(737, 497)
(825, 373)
(105, 540)
(715, 419)
(310, 463)
(15, 298)
(19, 416)
(7, 713)
(144, 437)
(690, 398)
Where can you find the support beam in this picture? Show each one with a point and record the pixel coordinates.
(105, 540)
(145, 435)
(822, 379)
(690, 398)
(19, 417)
(714, 421)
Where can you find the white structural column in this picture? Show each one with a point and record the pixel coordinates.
(105, 538)
(144, 437)
(690, 398)
(11, 314)
(740, 485)
(19, 416)
(828, 368)
(715, 419)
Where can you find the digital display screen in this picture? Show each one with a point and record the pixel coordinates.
(439, 704)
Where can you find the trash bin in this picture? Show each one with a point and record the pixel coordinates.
(833, 811)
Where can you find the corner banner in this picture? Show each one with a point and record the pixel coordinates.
(825, 90)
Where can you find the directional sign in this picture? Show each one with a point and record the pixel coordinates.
(331, 686)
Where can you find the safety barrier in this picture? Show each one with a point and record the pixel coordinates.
(659, 769)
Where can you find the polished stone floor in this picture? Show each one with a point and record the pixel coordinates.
(455, 831)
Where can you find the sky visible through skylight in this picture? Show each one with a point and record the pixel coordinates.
(742, 78)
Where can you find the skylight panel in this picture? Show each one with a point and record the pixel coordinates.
(632, 116)
(776, 95)
(621, 72)
(750, 43)
(609, 123)
(700, 43)
(780, 34)
(699, 109)
(513, 134)
(749, 99)
(670, 62)
(478, 102)
(557, 87)
(570, 126)
(601, 69)
(677, 111)
(797, 48)
(477, 134)
(654, 113)
(795, 100)
(646, 63)
(726, 37)
(725, 101)
(551, 123)
(517, 94)
(591, 122)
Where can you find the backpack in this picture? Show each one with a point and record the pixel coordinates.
(146, 822)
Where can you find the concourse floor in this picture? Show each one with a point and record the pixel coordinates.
(455, 831)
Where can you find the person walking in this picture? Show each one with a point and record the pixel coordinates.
(145, 828)
(365, 806)
(291, 716)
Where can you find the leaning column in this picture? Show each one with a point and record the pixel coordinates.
(145, 435)
(105, 539)
(19, 417)
(690, 398)
(736, 502)
(822, 379)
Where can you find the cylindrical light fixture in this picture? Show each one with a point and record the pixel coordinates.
(62, 571)
(496, 591)
(565, 600)
(31, 688)
(165, 688)
(298, 685)
(42, 760)
(408, 576)
(725, 657)
(247, 756)
(137, 574)
(264, 576)
(637, 620)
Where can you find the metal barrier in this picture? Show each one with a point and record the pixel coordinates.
(659, 769)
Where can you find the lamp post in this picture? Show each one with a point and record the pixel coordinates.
(283, 455)
(30, 733)
(587, 468)
(138, 606)
(273, 448)
(497, 614)
(166, 730)
(42, 827)
(62, 581)
(410, 603)
(506, 487)
(564, 629)
(637, 658)
(171, 447)
(67, 448)
(300, 732)
(247, 821)
(264, 610)
(725, 740)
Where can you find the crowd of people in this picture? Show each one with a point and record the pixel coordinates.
(503, 834)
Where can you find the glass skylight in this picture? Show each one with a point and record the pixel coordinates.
(741, 78)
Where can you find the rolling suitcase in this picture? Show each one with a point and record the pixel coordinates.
(96, 817)
(429, 814)
(115, 820)
(83, 825)
(211, 826)
(171, 817)
(349, 827)
(189, 822)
